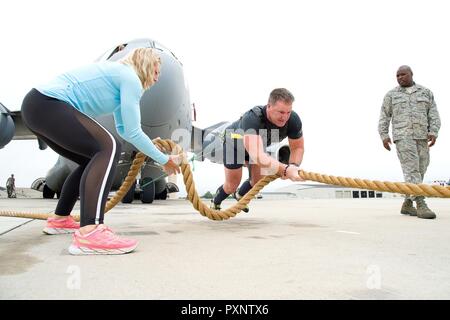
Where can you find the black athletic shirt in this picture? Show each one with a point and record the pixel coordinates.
(256, 119)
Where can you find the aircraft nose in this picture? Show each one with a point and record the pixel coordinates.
(168, 98)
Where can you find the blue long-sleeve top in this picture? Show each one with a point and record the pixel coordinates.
(107, 88)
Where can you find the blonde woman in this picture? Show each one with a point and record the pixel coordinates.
(61, 113)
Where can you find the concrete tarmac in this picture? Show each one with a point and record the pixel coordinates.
(282, 249)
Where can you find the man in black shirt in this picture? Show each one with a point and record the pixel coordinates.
(246, 139)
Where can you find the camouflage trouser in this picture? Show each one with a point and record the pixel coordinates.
(414, 157)
(9, 191)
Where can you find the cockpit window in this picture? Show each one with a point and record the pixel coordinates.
(120, 47)
(159, 46)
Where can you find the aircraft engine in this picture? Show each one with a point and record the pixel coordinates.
(283, 154)
(280, 151)
(7, 127)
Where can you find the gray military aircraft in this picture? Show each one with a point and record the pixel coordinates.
(166, 112)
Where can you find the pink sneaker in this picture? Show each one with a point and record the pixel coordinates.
(101, 241)
(61, 226)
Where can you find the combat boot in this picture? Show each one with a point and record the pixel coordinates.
(423, 211)
(408, 208)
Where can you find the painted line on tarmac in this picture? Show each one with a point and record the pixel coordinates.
(9, 230)
(348, 232)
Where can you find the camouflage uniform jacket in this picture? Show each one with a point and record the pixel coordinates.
(414, 115)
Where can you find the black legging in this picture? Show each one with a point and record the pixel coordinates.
(81, 139)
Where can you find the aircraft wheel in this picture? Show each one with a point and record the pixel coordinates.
(129, 197)
(162, 195)
(148, 190)
(48, 193)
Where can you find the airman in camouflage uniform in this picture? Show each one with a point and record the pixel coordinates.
(415, 127)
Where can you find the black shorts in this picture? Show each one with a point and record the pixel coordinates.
(234, 154)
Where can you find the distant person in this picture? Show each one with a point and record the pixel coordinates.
(61, 114)
(11, 187)
(415, 127)
(245, 143)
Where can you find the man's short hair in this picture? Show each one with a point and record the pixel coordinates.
(281, 94)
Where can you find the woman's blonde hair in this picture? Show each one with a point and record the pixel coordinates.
(143, 60)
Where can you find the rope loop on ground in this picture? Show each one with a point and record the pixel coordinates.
(170, 147)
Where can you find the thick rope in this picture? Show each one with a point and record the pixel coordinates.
(169, 146)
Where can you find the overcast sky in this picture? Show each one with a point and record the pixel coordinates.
(339, 58)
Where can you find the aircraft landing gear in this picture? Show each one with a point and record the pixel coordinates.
(148, 190)
(145, 191)
(48, 193)
(129, 197)
(162, 195)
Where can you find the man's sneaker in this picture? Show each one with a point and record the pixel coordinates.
(214, 206)
(61, 226)
(237, 196)
(101, 241)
